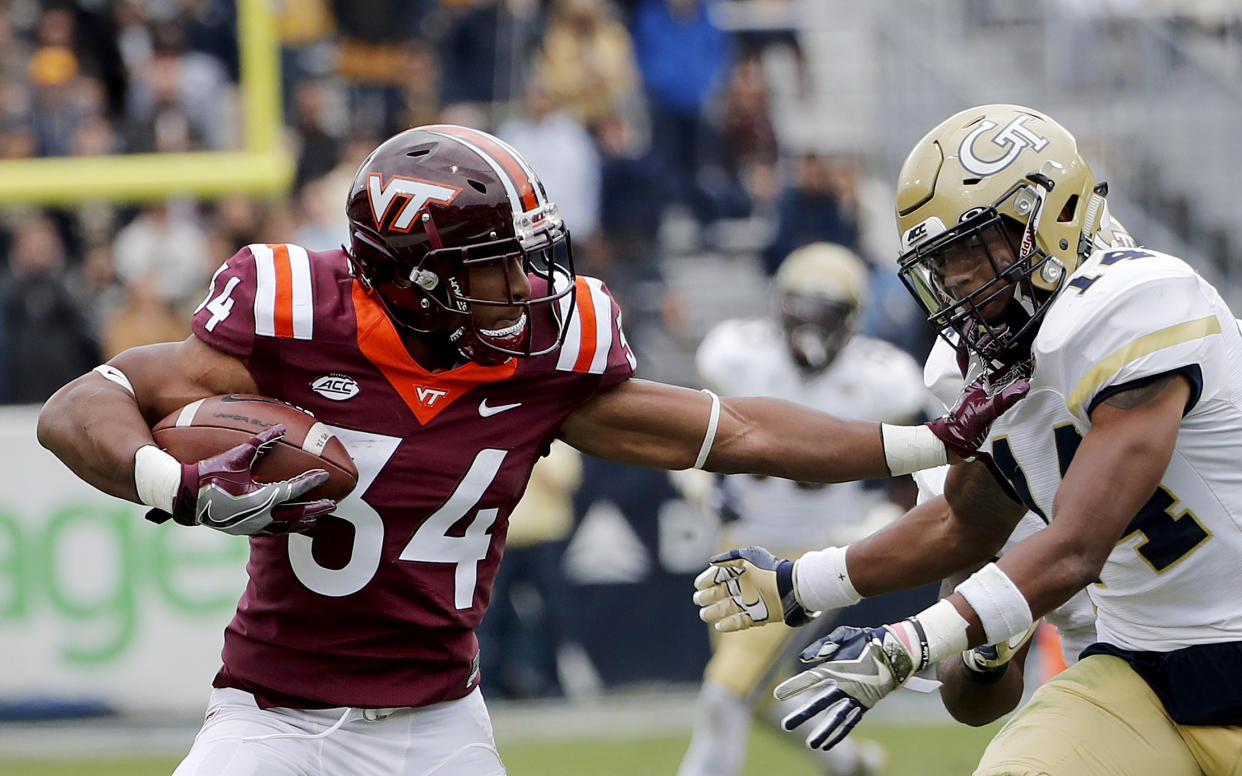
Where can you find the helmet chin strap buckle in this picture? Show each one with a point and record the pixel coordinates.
(424, 279)
(1052, 270)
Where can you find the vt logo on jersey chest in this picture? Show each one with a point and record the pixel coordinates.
(429, 396)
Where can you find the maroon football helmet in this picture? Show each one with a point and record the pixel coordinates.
(432, 202)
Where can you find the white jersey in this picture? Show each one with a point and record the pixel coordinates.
(1124, 316)
(1074, 619)
(868, 380)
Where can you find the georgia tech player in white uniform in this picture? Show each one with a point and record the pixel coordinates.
(982, 686)
(1128, 445)
(807, 353)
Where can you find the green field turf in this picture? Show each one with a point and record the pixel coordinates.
(915, 751)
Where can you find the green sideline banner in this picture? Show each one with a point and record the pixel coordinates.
(97, 603)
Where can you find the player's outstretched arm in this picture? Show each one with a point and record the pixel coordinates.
(653, 424)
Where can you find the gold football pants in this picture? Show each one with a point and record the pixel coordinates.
(1099, 718)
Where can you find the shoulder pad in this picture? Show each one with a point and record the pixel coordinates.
(1124, 315)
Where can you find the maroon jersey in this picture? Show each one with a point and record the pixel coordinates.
(377, 609)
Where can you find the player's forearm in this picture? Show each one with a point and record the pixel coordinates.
(782, 439)
(975, 703)
(1051, 566)
(94, 427)
(925, 545)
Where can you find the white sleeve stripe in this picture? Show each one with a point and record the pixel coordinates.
(265, 290)
(186, 416)
(573, 334)
(303, 294)
(603, 326)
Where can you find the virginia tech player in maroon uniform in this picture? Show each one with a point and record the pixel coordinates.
(446, 347)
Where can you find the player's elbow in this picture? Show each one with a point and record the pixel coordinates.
(54, 417)
(975, 704)
(60, 425)
(975, 716)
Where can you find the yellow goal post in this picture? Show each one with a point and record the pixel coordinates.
(262, 166)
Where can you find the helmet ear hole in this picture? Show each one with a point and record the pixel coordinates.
(1071, 207)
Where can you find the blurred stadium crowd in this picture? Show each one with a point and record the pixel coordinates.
(637, 113)
(632, 111)
(107, 78)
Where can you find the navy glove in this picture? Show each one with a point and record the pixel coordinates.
(856, 667)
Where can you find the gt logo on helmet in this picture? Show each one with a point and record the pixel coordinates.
(1016, 135)
(416, 194)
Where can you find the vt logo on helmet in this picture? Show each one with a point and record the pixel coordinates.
(436, 206)
(410, 194)
(995, 208)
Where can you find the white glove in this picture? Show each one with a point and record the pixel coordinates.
(748, 587)
(987, 664)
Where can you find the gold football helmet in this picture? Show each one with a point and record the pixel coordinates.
(820, 288)
(1006, 185)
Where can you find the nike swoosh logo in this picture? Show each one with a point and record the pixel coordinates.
(486, 411)
(757, 609)
(205, 517)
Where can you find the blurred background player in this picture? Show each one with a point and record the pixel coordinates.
(807, 352)
(527, 642)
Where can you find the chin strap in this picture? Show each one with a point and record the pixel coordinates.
(433, 234)
(1091, 219)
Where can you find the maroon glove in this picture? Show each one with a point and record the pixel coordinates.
(966, 426)
(220, 492)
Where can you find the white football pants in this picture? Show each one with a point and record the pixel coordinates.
(238, 738)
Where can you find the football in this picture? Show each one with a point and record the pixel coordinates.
(209, 426)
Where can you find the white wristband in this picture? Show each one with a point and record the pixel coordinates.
(713, 419)
(944, 629)
(821, 581)
(911, 448)
(1001, 607)
(157, 475)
